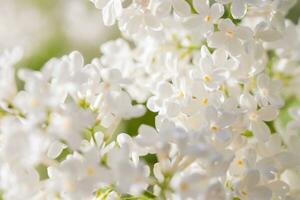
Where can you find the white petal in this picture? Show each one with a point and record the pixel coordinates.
(165, 89)
(172, 109)
(268, 35)
(193, 22)
(261, 193)
(100, 3)
(263, 81)
(138, 110)
(215, 192)
(226, 24)
(163, 8)
(223, 136)
(274, 144)
(287, 160)
(234, 46)
(216, 11)
(260, 130)
(238, 8)
(244, 33)
(219, 57)
(294, 112)
(267, 168)
(157, 172)
(124, 139)
(99, 136)
(248, 101)
(152, 104)
(55, 149)
(77, 59)
(108, 15)
(147, 135)
(252, 178)
(211, 113)
(279, 188)
(206, 64)
(181, 8)
(111, 75)
(216, 40)
(152, 22)
(201, 6)
(267, 113)
(204, 51)
(117, 4)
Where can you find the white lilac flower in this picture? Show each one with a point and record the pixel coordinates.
(77, 177)
(218, 126)
(7, 75)
(136, 179)
(295, 123)
(206, 16)
(138, 23)
(268, 91)
(111, 10)
(68, 124)
(168, 98)
(67, 74)
(255, 118)
(190, 185)
(16, 180)
(208, 71)
(229, 37)
(249, 188)
(23, 144)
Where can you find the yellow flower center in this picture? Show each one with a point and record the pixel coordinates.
(206, 78)
(184, 186)
(253, 116)
(214, 128)
(204, 101)
(229, 33)
(90, 171)
(207, 18)
(181, 93)
(240, 162)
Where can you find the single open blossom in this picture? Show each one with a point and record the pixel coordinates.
(137, 22)
(206, 16)
(268, 91)
(210, 73)
(255, 119)
(229, 37)
(249, 188)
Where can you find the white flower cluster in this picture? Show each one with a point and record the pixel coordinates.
(218, 74)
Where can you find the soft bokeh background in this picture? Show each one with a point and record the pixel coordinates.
(48, 28)
(52, 28)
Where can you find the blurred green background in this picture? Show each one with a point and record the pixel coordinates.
(52, 28)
